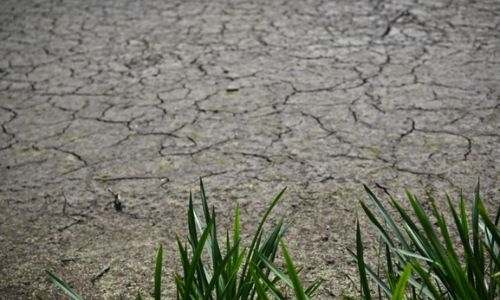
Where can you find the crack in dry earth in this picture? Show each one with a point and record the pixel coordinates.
(144, 98)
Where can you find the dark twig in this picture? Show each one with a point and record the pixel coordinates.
(100, 274)
(117, 201)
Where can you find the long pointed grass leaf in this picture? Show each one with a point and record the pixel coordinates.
(492, 232)
(193, 236)
(292, 273)
(259, 288)
(373, 275)
(447, 271)
(214, 249)
(414, 255)
(254, 245)
(491, 243)
(411, 228)
(180, 283)
(194, 266)
(236, 229)
(443, 226)
(391, 272)
(425, 284)
(387, 217)
(272, 266)
(232, 276)
(382, 232)
(238, 274)
(399, 291)
(270, 285)
(461, 223)
(270, 246)
(365, 289)
(64, 286)
(313, 287)
(478, 261)
(204, 201)
(158, 272)
(430, 233)
(475, 228)
(450, 270)
(221, 267)
(435, 247)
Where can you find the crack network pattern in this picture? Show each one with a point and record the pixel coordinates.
(146, 97)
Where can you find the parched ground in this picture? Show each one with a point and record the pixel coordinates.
(141, 98)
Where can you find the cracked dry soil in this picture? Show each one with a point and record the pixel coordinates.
(141, 98)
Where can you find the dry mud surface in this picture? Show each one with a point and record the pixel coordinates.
(141, 98)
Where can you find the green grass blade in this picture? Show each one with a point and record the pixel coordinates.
(399, 291)
(213, 241)
(476, 245)
(443, 226)
(469, 270)
(196, 267)
(219, 277)
(495, 265)
(276, 271)
(434, 247)
(203, 274)
(138, 296)
(270, 246)
(270, 286)
(373, 275)
(183, 256)
(491, 243)
(158, 273)
(64, 287)
(280, 276)
(244, 288)
(450, 270)
(391, 268)
(375, 222)
(424, 284)
(387, 217)
(259, 287)
(204, 201)
(365, 289)
(313, 287)
(211, 244)
(236, 230)
(416, 236)
(238, 273)
(232, 277)
(292, 273)
(181, 290)
(491, 229)
(461, 223)
(412, 254)
(473, 270)
(426, 240)
(497, 216)
(194, 225)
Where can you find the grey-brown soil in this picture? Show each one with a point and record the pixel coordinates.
(141, 98)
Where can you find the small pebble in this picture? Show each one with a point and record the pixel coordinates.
(232, 87)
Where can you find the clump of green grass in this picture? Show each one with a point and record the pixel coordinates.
(425, 257)
(240, 272)
(422, 261)
(237, 272)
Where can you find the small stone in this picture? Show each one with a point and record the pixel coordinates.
(232, 87)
